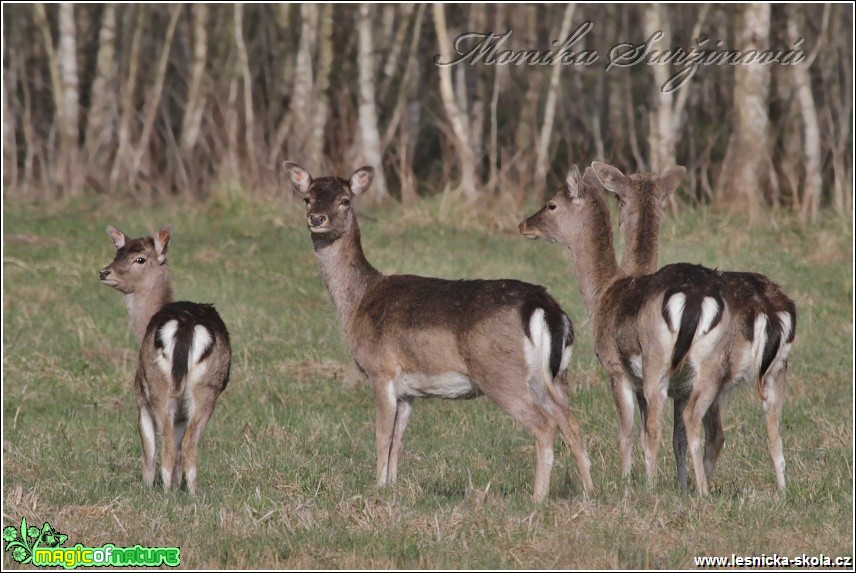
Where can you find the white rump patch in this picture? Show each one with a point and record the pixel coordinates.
(167, 337)
(709, 309)
(675, 308)
(787, 326)
(759, 341)
(566, 353)
(566, 358)
(202, 339)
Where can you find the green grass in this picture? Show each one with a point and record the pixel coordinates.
(287, 463)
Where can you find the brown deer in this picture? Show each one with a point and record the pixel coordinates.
(185, 356)
(655, 335)
(429, 337)
(764, 317)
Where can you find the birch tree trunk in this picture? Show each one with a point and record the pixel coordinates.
(299, 126)
(369, 134)
(103, 111)
(154, 97)
(60, 169)
(321, 99)
(459, 123)
(123, 152)
(10, 146)
(541, 161)
(247, 80)
(811, 130)
(661, 125)
(70, 130)
(192, 119)
(746, 172)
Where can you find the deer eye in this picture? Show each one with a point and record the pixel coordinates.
(551, 206)
(345, 202)
(306, 200)
(140, 260)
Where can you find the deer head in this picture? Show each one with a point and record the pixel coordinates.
(139, 263)
(328, 199)
(641, 193)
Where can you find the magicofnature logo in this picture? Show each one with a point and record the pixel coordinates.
(44, 548)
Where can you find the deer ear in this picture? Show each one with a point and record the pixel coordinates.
(573, 183)
(361, 179)
(297, 175)
(119, 238)
(612, 179)
(672, 179)
(162, 242)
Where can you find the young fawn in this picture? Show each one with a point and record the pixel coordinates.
(655, 335)
(185, 356)
(764, 323)
(428, 337)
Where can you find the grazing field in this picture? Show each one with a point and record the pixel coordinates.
(286, 467)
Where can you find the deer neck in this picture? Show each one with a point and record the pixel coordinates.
(346, 271)
(593, 260)
(143, 304)
(641, 249)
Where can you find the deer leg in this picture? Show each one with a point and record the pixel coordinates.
(545, 436)
(190, 445)
(774, 396)
(167, 448)
(178, 433)
(385, 406)
(147, 437)
(402, 415)
(572, 434)
(714, 438)
(702, 396)
(622, 393)
(679, 442)
(655, 388)
(643, 407)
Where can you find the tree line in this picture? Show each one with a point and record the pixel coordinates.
(147, 100)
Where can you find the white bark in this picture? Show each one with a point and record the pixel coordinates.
(320, 99)
(661, 125)
(550, 106)
(369, 135)
(10, 147)
(129, 87)
(153, 99)
(298, 125)
(103, 111)
(747, 169)
(192, 119)
(811, 131)
(67, 55)
(456, 118)
(247, 80)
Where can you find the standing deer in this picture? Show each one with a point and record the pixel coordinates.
(185, 356)
(655, 335)
(764, 317)
(428, 337)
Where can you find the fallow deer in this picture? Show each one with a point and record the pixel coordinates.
(764, 317)
(655, 335)
(185, 356)
(428, 337)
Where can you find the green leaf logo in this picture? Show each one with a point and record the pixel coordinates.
(22, 542)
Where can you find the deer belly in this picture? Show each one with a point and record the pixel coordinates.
(449, 385)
